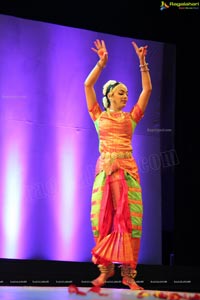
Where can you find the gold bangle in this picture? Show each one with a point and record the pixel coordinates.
(144, 65)
(145, 70)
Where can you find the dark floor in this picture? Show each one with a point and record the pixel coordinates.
(58, 274)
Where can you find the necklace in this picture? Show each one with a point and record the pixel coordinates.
(116, 115)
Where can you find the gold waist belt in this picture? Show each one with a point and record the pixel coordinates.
(114, 155)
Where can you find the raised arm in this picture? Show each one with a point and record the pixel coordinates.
(145, 77)
(101, 51)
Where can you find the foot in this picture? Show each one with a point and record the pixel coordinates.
(101, 279)
(131, 283)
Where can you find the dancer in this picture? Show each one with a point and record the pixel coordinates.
(116, 204)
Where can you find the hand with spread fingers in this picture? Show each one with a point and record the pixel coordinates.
(100, 49)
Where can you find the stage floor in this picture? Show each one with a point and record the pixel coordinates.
(62, 293)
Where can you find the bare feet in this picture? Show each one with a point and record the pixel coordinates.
(99, 281)
(131, 283)
(105, 274)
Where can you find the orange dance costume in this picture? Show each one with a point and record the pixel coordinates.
(116, 208)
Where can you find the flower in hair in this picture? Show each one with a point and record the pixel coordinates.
(108, 84)
(105, 102)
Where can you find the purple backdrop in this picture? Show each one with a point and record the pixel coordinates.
(49, 146)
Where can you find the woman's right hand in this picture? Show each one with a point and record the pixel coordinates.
(101, 51)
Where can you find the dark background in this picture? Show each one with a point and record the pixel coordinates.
(145, 20)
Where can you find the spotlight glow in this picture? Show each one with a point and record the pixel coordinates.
(12, 203)
(66, 211)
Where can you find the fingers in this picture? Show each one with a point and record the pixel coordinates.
(94, 49)
(100, 49)
(135, 46)
(103, 44)
(99, 44)
(141, 50)
(144, 50)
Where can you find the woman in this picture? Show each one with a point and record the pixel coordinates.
(116, 208)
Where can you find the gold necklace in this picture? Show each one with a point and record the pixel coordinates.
(119, 115)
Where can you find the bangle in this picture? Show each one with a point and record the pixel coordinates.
(100, 66)
(144, 65)
(145, 70)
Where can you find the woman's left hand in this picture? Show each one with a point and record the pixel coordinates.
(141, 52)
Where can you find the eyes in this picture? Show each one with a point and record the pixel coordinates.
(122, 93)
